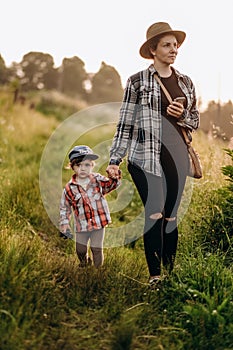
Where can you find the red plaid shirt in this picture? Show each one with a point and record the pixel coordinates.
(89, 206)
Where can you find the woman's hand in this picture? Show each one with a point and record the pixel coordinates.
(113, 171)
(175, 109)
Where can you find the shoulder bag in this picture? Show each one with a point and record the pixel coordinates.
(195, 168)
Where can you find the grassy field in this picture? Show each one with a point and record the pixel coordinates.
(48, 303)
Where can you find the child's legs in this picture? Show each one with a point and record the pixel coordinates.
(97, 241)
(81, 246)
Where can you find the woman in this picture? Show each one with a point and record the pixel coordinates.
(149, 132)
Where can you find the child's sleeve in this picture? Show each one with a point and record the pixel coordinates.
(65, 209)
(108, 184)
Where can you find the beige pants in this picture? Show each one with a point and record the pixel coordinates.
(96, 239)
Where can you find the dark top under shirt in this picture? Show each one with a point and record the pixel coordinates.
(170, 136)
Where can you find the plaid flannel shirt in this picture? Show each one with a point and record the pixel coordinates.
(89, 206)
(139, 129)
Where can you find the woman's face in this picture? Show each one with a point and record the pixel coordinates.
(166, 50)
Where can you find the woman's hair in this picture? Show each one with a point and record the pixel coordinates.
(154, 43)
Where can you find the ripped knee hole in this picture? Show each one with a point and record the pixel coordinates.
(156, 216)
(170, 219)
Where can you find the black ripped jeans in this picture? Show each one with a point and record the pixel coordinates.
(162, 195)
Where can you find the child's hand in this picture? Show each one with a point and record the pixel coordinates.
(113, 171)
(64, 228)
(66, 232)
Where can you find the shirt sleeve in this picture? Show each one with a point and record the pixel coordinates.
(122, 136)
(107, 184)
(191, 115)
(65, 209)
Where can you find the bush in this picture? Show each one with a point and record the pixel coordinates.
(58, 105)
(220, 233)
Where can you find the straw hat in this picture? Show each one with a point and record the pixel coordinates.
(155, 30)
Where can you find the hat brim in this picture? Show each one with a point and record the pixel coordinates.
(144, 50)
(83, 157)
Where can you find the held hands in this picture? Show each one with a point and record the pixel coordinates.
(113, 171)
(175, 109)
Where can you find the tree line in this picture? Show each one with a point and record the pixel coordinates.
(217, 120)
(36, 71)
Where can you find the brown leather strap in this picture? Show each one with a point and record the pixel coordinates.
(186, 138)
(164, 89)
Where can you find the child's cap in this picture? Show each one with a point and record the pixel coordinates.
(81, 152)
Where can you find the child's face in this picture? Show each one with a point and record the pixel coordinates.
(83, 169)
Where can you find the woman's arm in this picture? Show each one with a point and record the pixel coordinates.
(124, 127)
(191, 115)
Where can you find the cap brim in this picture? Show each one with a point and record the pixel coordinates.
(144, 50)
(86, 156)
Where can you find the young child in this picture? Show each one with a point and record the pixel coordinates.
(84, 196)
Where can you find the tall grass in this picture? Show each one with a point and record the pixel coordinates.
(48, 302)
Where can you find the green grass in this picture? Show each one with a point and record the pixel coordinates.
(48, 303)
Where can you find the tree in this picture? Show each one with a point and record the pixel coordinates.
(36, 66)
(218, 119)
(51, 79)
(106, 85)
(15, 86)
(72, 77)
(3, 71)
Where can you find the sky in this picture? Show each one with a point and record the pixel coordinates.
(113, 31)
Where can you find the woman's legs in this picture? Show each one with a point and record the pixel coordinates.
(175, 164)
(150, 189)
(153, 246)
(170, 241)
(162, 196)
